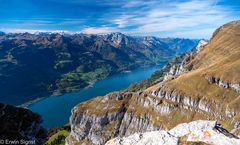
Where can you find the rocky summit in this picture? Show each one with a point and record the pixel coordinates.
(203, 86)
(199, 132)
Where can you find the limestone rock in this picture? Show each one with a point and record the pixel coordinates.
(201, 131)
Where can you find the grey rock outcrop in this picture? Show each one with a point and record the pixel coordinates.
(196, 132)
(178, 69)
(97, 128)
(223, 84)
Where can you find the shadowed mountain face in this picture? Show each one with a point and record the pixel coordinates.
(20, 125)
(204, 85)
(36, 65)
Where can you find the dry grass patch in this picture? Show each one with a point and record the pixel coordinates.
(195, 85)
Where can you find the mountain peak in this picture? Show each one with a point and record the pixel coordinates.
(201, 43)
(117, 38)
(117, 33)
(228, 28)
(2, 33)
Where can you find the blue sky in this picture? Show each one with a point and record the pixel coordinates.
(162, 18)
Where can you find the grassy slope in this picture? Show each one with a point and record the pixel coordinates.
(220, 59)
(54, 137)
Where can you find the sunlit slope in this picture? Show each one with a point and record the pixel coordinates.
(221, 57)
(215, 73)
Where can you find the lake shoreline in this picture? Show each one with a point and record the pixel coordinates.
(90, 84)
(55, 111)
(28, 103)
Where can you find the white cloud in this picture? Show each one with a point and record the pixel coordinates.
(99, 30)
(122, 21)
(173, 17)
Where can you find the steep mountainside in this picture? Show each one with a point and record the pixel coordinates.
(205, 85)
(20, 125)
(35, 65)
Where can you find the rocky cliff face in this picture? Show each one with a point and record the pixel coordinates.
(197, 132)
(121, 114)
(20, 125)
(177, 69)
(103, 118)
(204, 86)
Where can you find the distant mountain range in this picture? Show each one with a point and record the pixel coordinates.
(37, 65)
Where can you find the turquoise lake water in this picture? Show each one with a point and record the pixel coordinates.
(56, 110)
